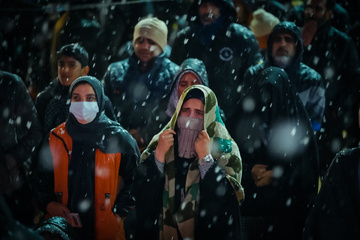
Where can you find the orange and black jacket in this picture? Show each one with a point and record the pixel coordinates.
(112, 190)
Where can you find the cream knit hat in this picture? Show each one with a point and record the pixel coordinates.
(152, 28)
(262, 22)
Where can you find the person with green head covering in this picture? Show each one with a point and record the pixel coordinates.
(188, 184)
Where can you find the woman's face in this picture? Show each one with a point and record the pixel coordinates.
(83, 93)
(187, 80)
(193, 108)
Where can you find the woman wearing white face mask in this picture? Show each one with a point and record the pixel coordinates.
(91, 156)
(188, 183)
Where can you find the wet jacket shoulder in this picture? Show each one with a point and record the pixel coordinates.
(311, 89)
(120, 73)
(336, 212)
(20, 130)
(123, 77)
(332, 49)
(233, 50)
(55, 96)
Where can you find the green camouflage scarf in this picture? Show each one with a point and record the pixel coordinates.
(224, 151)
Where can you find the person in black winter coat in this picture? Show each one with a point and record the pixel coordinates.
(20, 134)
(336, 212)
(285, 50)
(136, 85)
(280, 159)
(52, 103)
(226, 48)
(191, 72)
(334, 56)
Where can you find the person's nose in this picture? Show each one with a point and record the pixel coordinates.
(192, 114)
(65, 68)
(145, 45)
(282, 42)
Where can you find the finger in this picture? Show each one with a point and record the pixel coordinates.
(206, 135)
(170, 131)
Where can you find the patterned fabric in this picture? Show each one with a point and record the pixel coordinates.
(224, 150)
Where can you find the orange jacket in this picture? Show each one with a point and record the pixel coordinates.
(107, 183)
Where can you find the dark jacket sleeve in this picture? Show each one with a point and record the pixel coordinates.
(217, 199)
(125, 201)
(148, 189)
(43, 183)
(29, 132)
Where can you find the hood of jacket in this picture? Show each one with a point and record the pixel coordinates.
(192, 65)
(195, 66)
(227, 10)
(294, 31)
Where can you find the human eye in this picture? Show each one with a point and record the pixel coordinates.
(200, 113)
(139, 40)
(91, 98)
(75, 98)
(151, 42)
(72, 64)
(183, 83)
(277, 39)
(289, 39)
(184, 110)
(61, 64)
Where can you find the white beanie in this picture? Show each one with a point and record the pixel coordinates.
(152, 28)
(262, 22)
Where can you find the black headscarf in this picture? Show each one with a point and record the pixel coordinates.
(107, 135)
(272, 127)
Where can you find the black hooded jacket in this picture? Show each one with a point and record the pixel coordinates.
(307, 81)
(20, 130)
(272, 127)
(226, 48)
(334, 56)
(159, 118)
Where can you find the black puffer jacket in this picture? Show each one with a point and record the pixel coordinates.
(226, 48)
(306, 80)
(159, 117)
(134, 94)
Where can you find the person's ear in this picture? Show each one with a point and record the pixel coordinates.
(85, 71)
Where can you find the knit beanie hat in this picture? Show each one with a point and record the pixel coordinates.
(76, 51)
(152, 28)
(262, 24)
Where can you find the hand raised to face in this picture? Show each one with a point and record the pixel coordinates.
(166, 140)
(202, 144)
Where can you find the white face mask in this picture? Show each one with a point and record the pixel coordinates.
(84, 112)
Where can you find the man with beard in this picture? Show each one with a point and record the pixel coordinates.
(333, 54)
(226, 48)
(135, 85)
(285, 50)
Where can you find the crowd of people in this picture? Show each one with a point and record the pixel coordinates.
(242, 122)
